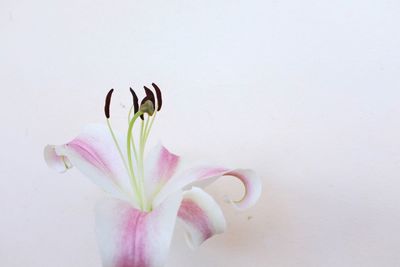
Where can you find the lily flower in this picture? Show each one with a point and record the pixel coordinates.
(134, 227)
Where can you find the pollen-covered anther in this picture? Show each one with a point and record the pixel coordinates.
(147, 106)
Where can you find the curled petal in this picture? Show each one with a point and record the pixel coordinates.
(201, 216)
(206, 175)
(94, 154)
(160, 165)
(128, 237)
(54, 161)
(252, 185)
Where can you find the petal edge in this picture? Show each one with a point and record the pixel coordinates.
(58, 163)
(202, 176)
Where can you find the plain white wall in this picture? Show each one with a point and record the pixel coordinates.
(304, 92)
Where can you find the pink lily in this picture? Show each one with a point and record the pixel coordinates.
(134, 228)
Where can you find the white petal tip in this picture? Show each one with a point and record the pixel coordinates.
(54, 161)
(253, 189)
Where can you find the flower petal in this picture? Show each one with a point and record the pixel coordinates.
(94, 154)
(128, 237)
(160, 165)
(54, 161)
(206, 175)
(201, 216)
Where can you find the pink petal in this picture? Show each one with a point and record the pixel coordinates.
(94, 154)
(160, 165)
(128, 237)
(206, 175)
(201, 216)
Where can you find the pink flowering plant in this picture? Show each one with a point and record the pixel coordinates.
(134, 227)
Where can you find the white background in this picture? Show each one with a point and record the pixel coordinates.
(304, 92)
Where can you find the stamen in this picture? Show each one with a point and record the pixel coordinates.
(150, 95)
(158, 94)
(107, 113)
(107, 104)
(135, 101)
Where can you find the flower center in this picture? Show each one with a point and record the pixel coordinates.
(134, 163)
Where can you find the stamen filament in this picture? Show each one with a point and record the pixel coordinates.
(151, 125)
(120, 154)
(117, 144)
(134, 181)
(140, 161)
(145, 132)
(132, 139)
(129, 115)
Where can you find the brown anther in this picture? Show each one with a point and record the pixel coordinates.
(150, 95)
(107, 104)
(135, 101)
(158, 94)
